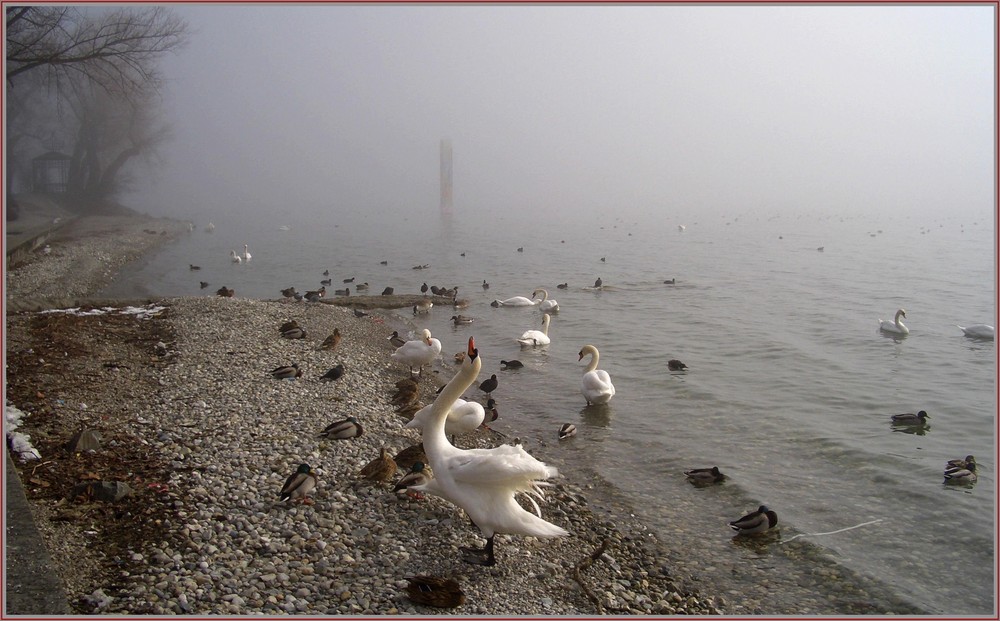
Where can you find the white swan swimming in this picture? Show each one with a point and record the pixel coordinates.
(532, 338)
(597, 387)
(546, 305)
(896, 326)
(463, 417)
(483, 482)
(518, 300)
(235, 257)
(246, 252)
(979, 331)
(418, 353)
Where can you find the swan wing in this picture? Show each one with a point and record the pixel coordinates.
(503, 465)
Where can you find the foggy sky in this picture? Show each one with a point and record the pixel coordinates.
(580, 109)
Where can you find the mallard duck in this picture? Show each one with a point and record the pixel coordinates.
(705, 476)
(920, 418)
(331, 342)
(434, 591)
(204, 285)
(565, 285)
(361, 286)
(488, 386)
(459, 357)
(343, 429)
(461, 319)
(289, 292)
(410, 455)
(346, 291)
(422, 308)
(294, 333)
(299, 485)
(333, 374)
(290, 371)
(225, 292)
(380, 469)
(960, 463)
(418, 475)
(961, 475)
(395, 340)
(568, 430)
(318, 293)
(407, 383)
(193, 267)
(288, 325)
(491, 411)
(326, 282)
(676, 365)
(670, 282)
(349, 280)
(360, 313)
(757, 522)
(405, 396)
(511, 364)
(409, 410)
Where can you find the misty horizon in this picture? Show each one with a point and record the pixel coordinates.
(597, 111)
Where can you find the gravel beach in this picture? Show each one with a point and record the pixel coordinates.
(191, 421)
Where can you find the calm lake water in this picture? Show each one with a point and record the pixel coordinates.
(790, 385)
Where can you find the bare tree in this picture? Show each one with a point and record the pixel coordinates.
(101, 65)
(116, 48)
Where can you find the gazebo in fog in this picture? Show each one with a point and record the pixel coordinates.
(50, 172)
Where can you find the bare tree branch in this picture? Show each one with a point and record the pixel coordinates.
(118, 49)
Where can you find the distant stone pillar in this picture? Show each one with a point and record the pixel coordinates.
(446, 195)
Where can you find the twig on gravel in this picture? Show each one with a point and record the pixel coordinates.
(584, 564)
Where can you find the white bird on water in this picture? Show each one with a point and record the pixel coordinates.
(235, 257)
(246, 252)
(597, 387)
(896, 326)
(979, 331)
(484, 482)
(533, 338)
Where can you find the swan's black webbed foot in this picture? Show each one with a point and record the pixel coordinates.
(478, 556)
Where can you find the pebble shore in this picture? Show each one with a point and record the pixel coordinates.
(229, 434)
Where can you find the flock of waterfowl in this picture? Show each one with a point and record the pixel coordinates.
(485, 482)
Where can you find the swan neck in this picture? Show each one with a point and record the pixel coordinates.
(545, 325)
(465, 377)
(594, 357)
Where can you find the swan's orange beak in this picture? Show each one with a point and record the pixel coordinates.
(473, 352)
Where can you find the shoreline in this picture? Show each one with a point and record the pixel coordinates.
(639, 574)
(220, 436)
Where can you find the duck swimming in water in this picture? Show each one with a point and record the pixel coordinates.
(757, 522)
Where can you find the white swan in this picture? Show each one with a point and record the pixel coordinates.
(463, 417)
(896, 326)
(483, 482)
(532, 338)
(546, 305)
(518, 300)
(979, 331)
(246, 253)
(418, 353)
(597, 387)
(235, 257)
